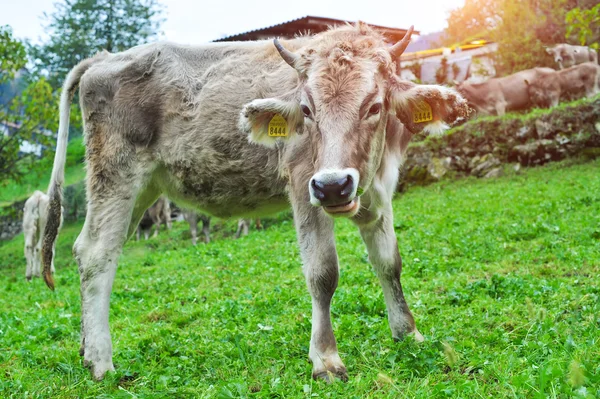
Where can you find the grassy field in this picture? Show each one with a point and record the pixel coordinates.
(503, 277)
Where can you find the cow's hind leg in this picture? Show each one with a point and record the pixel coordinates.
(106, 228)
(320, 265)
(192, 219)
(29, 253)
(242, 229)
(206, 228)
(378, 234)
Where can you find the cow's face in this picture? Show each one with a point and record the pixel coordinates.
(346, 92)
(563, 55)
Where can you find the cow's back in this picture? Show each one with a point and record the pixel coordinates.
(514, 89)
(176, 108)
(575, 79)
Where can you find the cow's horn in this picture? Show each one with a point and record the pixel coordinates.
(286, 54)
(398, 48)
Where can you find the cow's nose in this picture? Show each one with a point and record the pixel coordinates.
(335, 192)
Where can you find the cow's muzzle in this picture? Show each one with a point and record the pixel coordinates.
(335, 191)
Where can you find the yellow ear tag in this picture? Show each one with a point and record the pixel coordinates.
(278, 126)
(422, 112)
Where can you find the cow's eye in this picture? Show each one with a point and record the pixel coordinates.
(305, 110)
(375, 109)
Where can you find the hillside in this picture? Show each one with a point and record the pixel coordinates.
(502, 276)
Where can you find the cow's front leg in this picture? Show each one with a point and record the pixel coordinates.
(320, 265)
(377, 231)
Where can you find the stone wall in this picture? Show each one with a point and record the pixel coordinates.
(11, 220)
(483, 147)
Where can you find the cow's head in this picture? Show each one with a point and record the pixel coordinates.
(562, 54)
(347, 89)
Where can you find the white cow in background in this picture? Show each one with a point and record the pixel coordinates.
(34, 223)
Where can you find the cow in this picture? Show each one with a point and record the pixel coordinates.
(244, 227)
(34, 223)
(193, 217)
(580, 80)
(159, 213)
(512, 93)
(244, 129)
(566, 55)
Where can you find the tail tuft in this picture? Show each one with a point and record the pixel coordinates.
(50, 233)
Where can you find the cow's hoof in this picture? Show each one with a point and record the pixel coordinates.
(418, 337)
(330, 376)
(415, 334)
(28, 278)
(98, 369)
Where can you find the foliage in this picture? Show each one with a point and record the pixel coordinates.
(502, 276)
(78, 29)
(520, 27)
(39, 178)
(474, 20)
(25, 116)
(519, 47)
(581, 24)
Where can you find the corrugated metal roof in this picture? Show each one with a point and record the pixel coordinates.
(307, 24)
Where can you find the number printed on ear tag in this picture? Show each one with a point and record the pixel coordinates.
(278, 126)
(422, 112)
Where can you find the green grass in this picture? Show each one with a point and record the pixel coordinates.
(503, 277)
(39, 178)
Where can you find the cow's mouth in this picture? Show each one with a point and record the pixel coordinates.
(346, 208)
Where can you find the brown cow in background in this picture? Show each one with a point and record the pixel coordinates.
(193, 217)
(566, 55)
(511, 93)
(159, 213)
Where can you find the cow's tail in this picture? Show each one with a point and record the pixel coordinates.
(55, 189)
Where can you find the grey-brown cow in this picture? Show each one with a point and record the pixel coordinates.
(511, 93)
(35, 212)
(158, 214)
(566, 55)
(193, 122)
(580, 80)
(244, 227)
(193, 217)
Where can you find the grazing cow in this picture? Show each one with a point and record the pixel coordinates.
(240, 130)
(159, 213)
(567, 55)
(34, 222)
(580, 80)
(192, 217)
(244, 227)
(511, 93)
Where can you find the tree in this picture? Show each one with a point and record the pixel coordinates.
(79, 29)
(27, 109)
(472, 21)
(584, 25)
(520, 27)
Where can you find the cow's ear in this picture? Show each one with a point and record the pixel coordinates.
(428, 108)
(271, 119)
(549, 50)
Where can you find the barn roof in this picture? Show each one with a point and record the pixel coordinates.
(307, 24)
